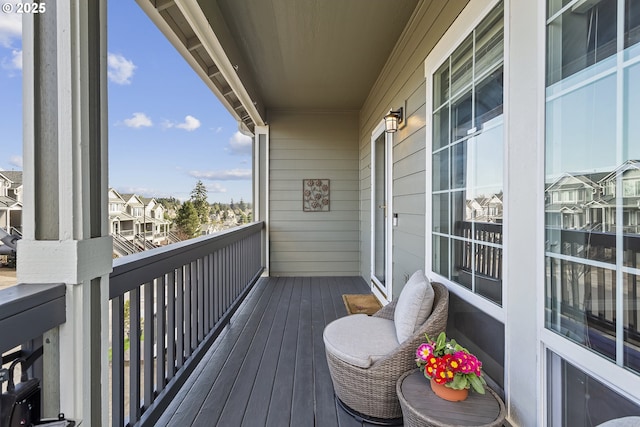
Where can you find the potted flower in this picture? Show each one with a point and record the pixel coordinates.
(450, 367)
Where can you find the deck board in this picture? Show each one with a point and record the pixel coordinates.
(281, 396)
(268, 368)
(263, 387)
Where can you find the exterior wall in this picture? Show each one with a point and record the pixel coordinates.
(409, 191)
(521, 338)
(320, 146)
(402, 80)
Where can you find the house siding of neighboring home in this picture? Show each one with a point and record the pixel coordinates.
(11, 200)
(319, 146)
(402, 79)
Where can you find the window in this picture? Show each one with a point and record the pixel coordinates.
(577, 399)
(467, 166)
(592, 134)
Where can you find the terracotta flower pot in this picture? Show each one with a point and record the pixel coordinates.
(447, 393)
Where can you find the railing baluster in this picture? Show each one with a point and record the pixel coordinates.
(134, 356)
(200, 300)
(194, 307)
(217, 295)
(160, 335)
(224, 281)
(205, 296)
(212, 294)
(180, 316)
(117, 361)
(171, 325)
(188, 327)
(149, 341)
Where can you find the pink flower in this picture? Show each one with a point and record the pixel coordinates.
(424, 351)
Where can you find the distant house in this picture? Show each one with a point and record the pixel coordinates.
(11, 201)
(629, 173)
(567, 199)
(155, 222)
(136, 223)
(485, 209)
(588, 201)
(121, 222)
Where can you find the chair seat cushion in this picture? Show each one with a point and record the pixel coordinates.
(414, 305)
(360, 340)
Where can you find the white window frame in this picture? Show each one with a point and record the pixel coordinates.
(468, 20)
(612, 374)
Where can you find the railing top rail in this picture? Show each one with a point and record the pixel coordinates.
(131, 270)
(29, 310)
(597, 238)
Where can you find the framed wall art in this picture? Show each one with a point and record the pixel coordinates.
(315, 195)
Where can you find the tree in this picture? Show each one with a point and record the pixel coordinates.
(168, 202)
(187, 220)
(199, 200)
(242, 205)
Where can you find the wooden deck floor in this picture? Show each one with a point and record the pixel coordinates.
(268, 368)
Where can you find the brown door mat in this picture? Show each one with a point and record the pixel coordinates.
(361, 303)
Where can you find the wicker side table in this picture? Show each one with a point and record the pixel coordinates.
(421, 407)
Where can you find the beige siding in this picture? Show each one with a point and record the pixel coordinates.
(322, 146)
(402, 80)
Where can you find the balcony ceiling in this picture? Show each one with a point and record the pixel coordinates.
(257, 55)
(315, 54)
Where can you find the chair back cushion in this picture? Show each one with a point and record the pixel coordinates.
(414, 305)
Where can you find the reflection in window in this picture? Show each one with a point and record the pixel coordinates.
(577, 399)
(631, 23)
(467, 159)
(592, 177)
(580, 37)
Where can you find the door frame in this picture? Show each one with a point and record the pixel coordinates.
(384, 293)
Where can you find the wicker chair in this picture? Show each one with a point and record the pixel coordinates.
(371, 392)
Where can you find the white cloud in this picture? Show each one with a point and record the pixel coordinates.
(138, 120)
(140, 191)
(223, 175)
(16, 60)
(219, 129)
(216, 187)
(16, 161)
(190, 123)
(10, 28)
(240, 144)
(119, 69)
(13, 63)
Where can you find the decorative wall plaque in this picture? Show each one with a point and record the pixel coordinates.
(315, 195)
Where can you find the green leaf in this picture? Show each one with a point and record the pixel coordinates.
(441, 342)
(476, 383)
(459, 382)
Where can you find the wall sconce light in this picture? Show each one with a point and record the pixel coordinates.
(393, 119)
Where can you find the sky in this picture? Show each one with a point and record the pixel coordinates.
(166, 128)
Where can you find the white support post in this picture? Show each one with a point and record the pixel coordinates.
(65, 178)
(261, 186)
(524, 221)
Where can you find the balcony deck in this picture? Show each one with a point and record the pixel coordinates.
(268, 367)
